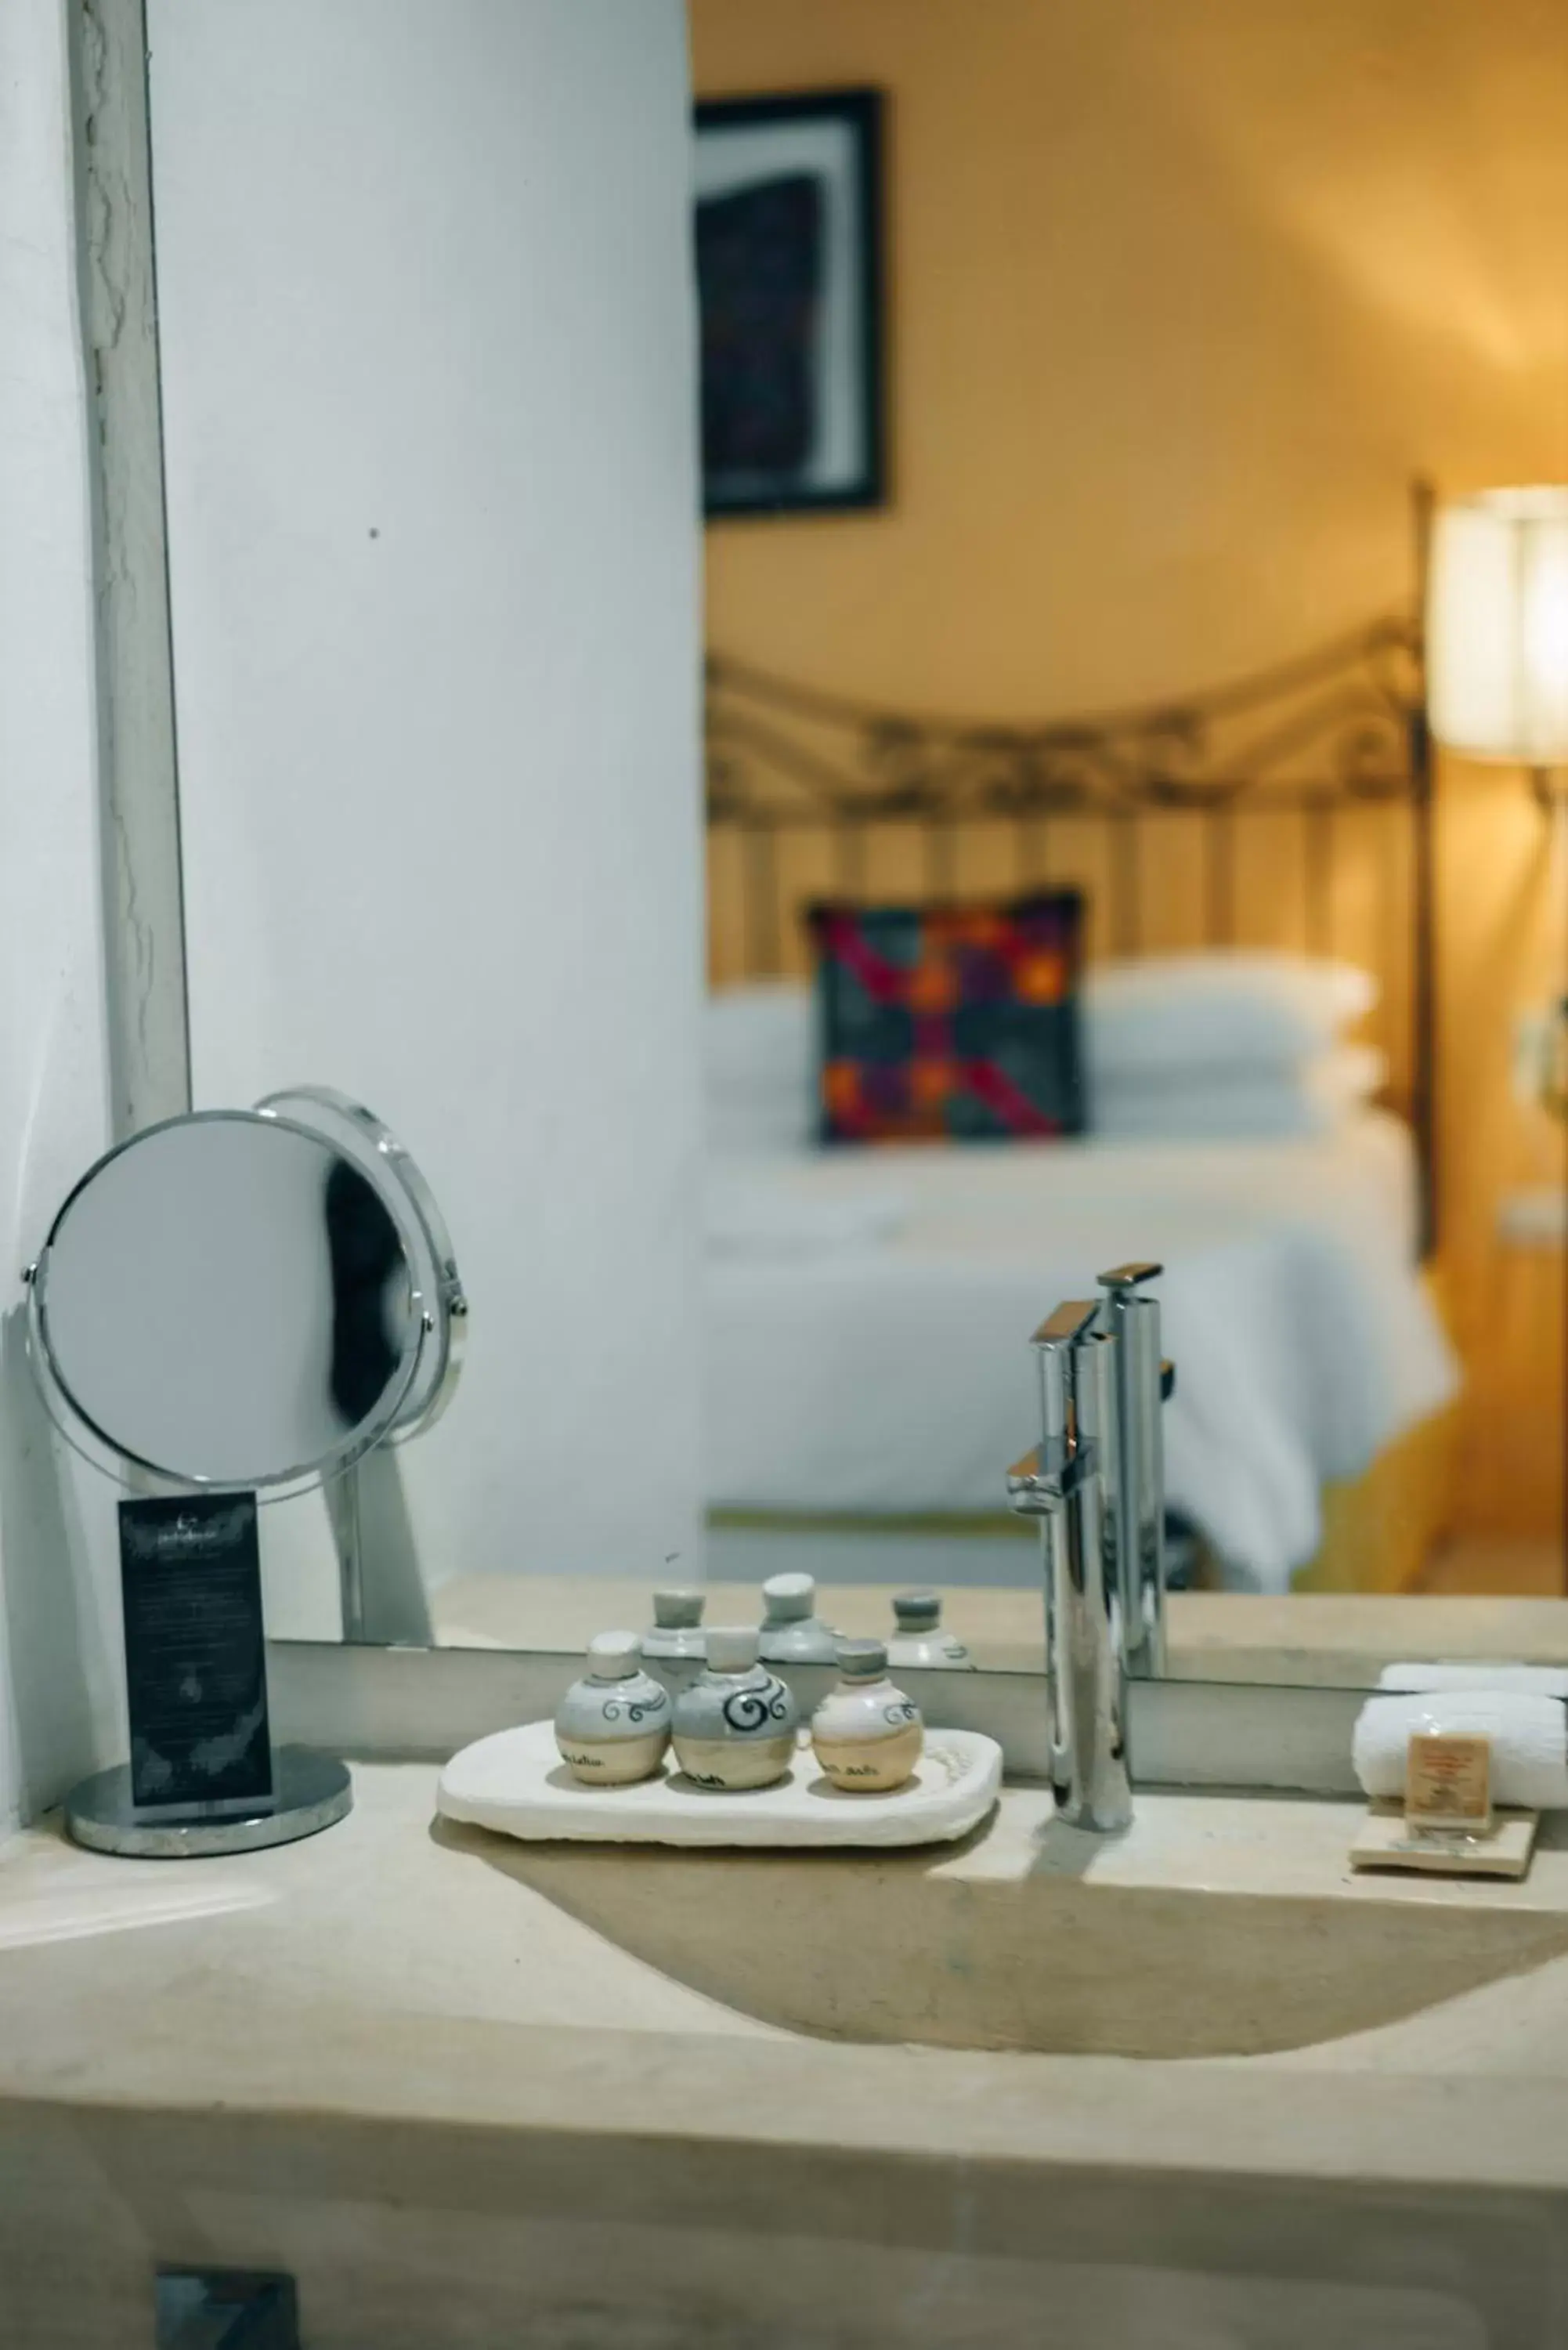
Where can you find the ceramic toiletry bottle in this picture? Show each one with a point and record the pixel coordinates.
(792, 1633)
(919, 1638)
(612, 1726)
(867, 1733)
(677, 1626)
(736, 1726)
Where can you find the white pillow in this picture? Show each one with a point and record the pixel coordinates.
(760, 1035)
(1245, 1016)
(745, 1126)
(1310, 1096)
(759, 1049)
(1163, 1013)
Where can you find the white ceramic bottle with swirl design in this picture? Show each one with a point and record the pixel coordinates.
(612, 1726)
(867, 1734)
(792, 1632)
(676, 1633)
(735, 1727)
(920, 1639)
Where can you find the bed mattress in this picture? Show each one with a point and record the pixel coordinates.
(868, 1318)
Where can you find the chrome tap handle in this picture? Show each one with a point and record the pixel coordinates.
(1143, 1379)
(1128, 1276)
(1069, 1322)
(1054, 1343)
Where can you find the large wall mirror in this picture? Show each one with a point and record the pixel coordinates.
(1127, 821)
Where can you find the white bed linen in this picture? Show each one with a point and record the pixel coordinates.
(896, 1375)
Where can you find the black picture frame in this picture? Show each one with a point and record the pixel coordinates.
(791, 303)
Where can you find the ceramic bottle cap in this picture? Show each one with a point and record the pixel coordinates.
(677, 1610)
(789, 1597)
(917, 1611)
(861, 1660)
(731, 1648)
(614, 1656)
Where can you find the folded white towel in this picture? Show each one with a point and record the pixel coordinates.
(766, 1219)
(1540, 1681)
(1528, 1738)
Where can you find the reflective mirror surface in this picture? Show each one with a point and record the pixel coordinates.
(1084, 868)
(228, 1299)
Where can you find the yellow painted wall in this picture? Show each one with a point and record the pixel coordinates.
(1182, 293)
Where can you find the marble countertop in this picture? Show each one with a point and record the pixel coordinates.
(396, 1971)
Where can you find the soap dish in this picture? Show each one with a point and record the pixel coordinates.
(516, 1782)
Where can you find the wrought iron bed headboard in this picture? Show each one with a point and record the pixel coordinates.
(808, 791)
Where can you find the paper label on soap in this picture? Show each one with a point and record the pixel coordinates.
(1448, 1781)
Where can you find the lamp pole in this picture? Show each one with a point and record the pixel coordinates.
(1424, 1006)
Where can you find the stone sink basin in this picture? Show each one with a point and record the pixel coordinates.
(1218, 1926)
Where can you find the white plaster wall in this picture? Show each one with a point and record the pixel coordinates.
(60, 1695)
(428, 355)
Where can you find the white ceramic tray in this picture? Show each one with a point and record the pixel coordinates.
(517, 1782)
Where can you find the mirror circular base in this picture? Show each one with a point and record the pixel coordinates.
(311, 1791)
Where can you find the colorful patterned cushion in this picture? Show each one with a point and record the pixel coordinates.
(950, 1023)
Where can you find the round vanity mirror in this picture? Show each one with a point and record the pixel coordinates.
(229, 1307)
(234, 1299)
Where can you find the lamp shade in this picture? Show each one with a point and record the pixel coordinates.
(1497, 626)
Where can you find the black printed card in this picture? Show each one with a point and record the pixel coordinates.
(195, 1656)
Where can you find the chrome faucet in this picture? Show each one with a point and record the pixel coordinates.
(1096, 1482)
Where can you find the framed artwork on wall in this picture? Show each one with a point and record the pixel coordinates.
(789, 288)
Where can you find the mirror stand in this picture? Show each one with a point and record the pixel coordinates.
(310, 1792)
(348, 1517)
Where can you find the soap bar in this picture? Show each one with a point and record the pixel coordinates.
(1447, 1782)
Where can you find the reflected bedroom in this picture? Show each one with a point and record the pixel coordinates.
(1133, 719)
